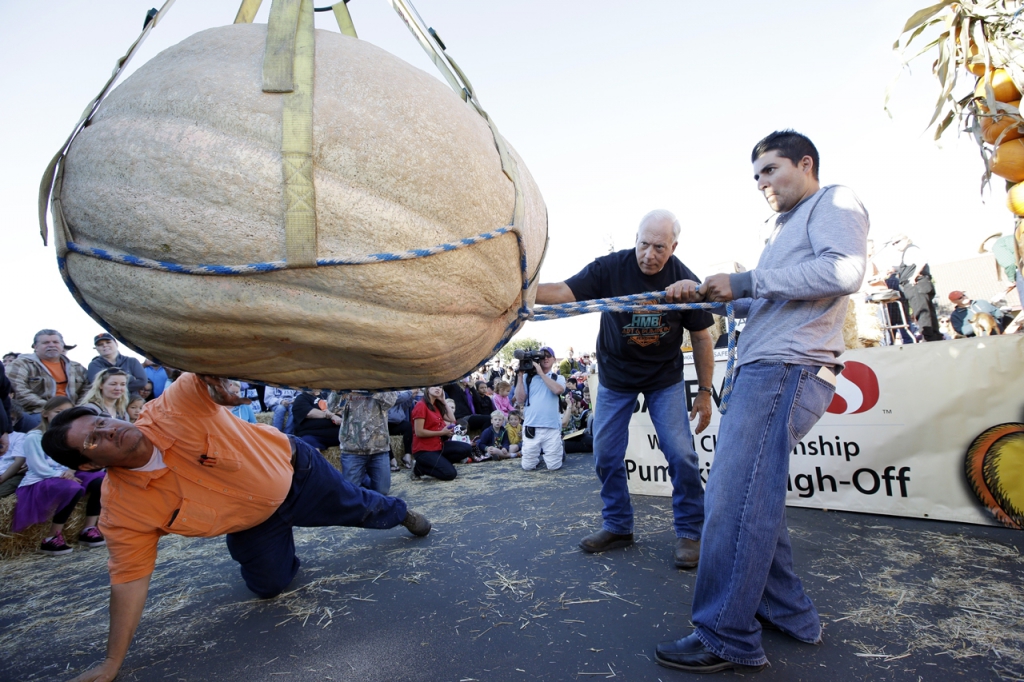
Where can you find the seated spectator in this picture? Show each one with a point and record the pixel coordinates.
(252, 392)
(12, 465)
(400, 424)
(135, 404)
(966, 308)
(577, 438)
(51, 491)
(158, 375)
(7, 421)
(364, 440)
(482, 398)
(109, 355)
(279, 401)
(493, 442)
(500, 398)
(43, 374)
(465, 411)
(9, 358)
(432, 426)
(146, 392)
(109, 393)
(244, 411)
(314, 423)
(514, 430)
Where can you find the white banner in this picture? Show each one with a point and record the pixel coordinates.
(897, 436)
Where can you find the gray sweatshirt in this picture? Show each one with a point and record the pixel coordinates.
(795, 299)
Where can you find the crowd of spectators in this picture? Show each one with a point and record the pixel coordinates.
(901, 266)
(478, 418)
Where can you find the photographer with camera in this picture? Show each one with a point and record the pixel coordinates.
(538, 390)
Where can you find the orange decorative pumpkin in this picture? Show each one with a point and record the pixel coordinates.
(993, 126)
(1008, 161)
(1002, 86)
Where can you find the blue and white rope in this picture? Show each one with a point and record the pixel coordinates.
(273, 266)
(643, 303)
(640, 303)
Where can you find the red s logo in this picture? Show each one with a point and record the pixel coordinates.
(856, 390)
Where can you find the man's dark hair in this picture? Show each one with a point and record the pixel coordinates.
(55, 440)
(790, 145)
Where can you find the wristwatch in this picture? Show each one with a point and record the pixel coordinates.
(704, 388)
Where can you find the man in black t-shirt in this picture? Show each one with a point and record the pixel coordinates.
(639, 352)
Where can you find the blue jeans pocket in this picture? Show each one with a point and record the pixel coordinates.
(813, 396)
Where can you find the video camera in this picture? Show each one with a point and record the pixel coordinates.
(526, 359)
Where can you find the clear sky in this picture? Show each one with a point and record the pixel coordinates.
(617, 108)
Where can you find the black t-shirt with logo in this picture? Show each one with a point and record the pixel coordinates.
(637, 351)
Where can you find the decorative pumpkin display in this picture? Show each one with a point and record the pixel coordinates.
(995, 471)
(183, 165)
(1003, 88)
(1008, 160)
(994, 126)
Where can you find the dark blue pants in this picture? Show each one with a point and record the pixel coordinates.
(319, 496)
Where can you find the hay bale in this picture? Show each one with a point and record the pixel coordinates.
(182, 164)
(398, 446)
(28, 540)
(265, 418)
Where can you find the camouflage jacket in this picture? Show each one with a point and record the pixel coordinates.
(364, 422)
(34, 385)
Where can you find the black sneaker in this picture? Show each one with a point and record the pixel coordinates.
(91, 538)
(55, 546)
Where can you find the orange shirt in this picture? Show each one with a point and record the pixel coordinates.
(222, 475)
(56, 369)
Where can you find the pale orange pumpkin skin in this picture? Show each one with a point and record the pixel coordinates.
(183, 164)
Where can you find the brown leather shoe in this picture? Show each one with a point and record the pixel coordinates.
(604, 540)
(687, 553)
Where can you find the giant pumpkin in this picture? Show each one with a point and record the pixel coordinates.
(183, 165)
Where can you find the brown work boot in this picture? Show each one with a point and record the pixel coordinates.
(603, 540)
(687, 553)
(416, 523)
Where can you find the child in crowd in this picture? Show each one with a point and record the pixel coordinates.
(49, 486)
(500, 398)
(135, 404)
(109, 393)
(514, 430)
(12, 464)
(243, 412)
(493, 442)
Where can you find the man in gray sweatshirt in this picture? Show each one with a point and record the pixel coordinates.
(795, 302)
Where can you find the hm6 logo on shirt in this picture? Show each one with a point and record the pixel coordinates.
(645, 329)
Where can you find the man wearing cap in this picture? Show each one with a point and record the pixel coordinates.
(43, 374)
(109, 356)
(639, 352)
(966, 308)
(542, 424)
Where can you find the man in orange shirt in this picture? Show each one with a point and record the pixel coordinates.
(43, 374)
(189, 467)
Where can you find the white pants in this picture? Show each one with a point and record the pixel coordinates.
(548, 440)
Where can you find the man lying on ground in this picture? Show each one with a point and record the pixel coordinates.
(188, 467)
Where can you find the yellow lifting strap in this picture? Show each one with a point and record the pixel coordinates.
(288, 66)
(48, 186)
(247, 11)
(344, 19)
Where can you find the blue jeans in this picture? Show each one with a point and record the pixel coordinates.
(377, 467)
(319, 496)
(746, 563)
(283, 418)
(667, 408)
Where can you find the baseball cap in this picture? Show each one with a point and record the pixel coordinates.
(103, 337)
(955, 296)
(549, 351)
